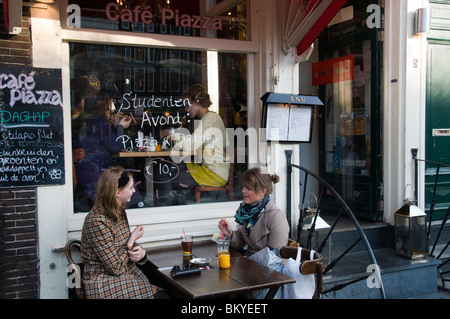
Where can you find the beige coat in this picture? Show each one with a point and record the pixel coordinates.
(271, 230)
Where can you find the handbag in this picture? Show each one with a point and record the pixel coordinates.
(305, 285)
(268, 258)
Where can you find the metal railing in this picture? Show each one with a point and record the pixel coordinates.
(344, 209)
(439, 255)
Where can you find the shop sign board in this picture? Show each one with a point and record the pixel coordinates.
(166, 16)
(334, 70)
(31, 127)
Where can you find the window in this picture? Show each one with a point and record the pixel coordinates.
(348, 96)
(132, 105)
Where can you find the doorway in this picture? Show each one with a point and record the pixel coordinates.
(348, 76)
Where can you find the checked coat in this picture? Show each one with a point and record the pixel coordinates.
(108, 272)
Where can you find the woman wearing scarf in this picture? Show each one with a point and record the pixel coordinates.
(261, 223)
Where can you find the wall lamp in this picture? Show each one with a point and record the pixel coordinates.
(423, 21)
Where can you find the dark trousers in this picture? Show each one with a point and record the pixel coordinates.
(165, 185)
(155, 279)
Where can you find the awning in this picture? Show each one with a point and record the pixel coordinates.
(306, 19)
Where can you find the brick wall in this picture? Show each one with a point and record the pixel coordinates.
(16, 49)
(18, 222)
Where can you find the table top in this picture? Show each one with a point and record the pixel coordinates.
(244, 275)
(171, 255)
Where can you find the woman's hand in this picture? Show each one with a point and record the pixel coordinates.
(225, 227)
(125, 121)
(136, 254)
(135, 235)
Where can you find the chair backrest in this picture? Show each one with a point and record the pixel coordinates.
(77, 267)
(308, 266)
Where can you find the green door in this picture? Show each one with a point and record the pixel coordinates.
(438, 128)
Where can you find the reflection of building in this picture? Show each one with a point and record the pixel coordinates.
(243, 61)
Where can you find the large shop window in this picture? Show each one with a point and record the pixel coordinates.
(221, 19)
(167, 115)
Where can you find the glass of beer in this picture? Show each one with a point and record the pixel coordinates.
(187, 241)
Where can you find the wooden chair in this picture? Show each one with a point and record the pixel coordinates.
(227, 188)
(293, 243)
(307, 267)
(78, 267)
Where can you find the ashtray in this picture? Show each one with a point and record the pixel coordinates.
(200, 261)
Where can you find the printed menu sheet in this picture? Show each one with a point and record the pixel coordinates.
(288, 123)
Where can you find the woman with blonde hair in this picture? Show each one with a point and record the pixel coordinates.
(260, 222)
(109, 251)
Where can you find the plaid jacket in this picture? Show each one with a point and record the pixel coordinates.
(108, 272)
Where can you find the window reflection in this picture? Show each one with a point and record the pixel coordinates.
(131, 106)
(348, 97)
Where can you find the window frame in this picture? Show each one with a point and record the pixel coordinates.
(164, 221)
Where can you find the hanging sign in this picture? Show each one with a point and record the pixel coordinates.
(31, 127)
(333, 71)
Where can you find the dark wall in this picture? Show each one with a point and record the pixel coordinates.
(18, 216)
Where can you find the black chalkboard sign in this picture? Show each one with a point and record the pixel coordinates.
(31, 127)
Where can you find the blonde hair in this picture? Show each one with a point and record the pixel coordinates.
(258, 179)
(107, 186)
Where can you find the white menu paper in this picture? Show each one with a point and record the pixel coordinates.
(288, 123)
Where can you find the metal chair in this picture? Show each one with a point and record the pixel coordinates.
(307, 267)
(77, 268)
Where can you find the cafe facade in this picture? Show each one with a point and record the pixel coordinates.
(143, 57)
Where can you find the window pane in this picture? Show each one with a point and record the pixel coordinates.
(348, 131)
(132, 105)
(174, 17)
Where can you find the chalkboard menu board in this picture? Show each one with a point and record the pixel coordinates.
(31, 127)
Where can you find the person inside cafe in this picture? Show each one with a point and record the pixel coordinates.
(260, 222)
(208, 141)
(108, 249)
(101, 129)
(97, 141)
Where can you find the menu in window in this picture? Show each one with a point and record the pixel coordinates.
(288, 123)
(31, 127)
